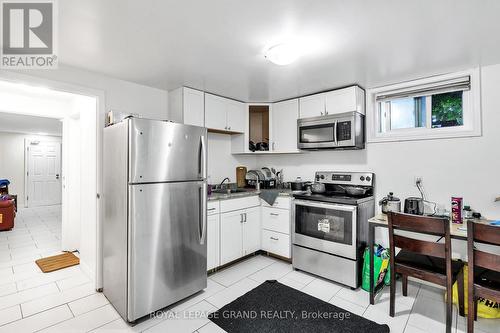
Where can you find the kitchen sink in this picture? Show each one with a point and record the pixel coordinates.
(229, 191)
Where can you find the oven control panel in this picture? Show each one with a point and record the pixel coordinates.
(345, 178)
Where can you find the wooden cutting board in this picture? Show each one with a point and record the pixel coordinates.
(57, 262)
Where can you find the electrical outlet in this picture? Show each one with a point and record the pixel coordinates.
(418, 180)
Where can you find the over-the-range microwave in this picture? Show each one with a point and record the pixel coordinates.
(336, 131)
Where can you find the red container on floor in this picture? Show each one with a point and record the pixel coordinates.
(456, 210)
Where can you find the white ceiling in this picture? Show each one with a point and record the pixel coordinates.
(217, 45)
(10, 122)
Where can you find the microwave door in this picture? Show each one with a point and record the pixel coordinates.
(317, 135)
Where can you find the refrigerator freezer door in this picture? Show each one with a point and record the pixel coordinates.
(162, 151)
(167, 247)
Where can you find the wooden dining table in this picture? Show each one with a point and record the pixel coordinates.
(457, 231)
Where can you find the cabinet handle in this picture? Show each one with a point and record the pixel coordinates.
(274, 145)
(210, 209)
(273, 238)
(229, 128)
(245, 217)
(241, 218)
(274, 214)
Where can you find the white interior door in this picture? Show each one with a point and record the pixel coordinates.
(44, 173)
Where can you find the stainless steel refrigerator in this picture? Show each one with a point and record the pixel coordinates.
(155, 222)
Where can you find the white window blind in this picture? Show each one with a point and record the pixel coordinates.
(439, 87)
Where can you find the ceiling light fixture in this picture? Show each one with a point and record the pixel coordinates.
(282, 54)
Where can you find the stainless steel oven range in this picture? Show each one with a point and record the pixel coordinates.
(330, 229)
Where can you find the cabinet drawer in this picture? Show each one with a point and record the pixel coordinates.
(281, 202)
(276, 219)
(276, 243)
(213, 207)
(240, 203)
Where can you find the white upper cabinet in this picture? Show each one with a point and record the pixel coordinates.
(345, 100)
(215, 112)
(312, 106)
(336, 101)
(187, 106)
(236, 116)
(284, 126)
(224, 114)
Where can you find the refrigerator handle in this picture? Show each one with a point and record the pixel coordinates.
(203, 213)
(203, 157)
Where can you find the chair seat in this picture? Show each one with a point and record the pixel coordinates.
(427, 263)
(487, 278)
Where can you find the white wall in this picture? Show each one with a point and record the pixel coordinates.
(119, 95)
(12, 160)
(466, 167)
(221, 163)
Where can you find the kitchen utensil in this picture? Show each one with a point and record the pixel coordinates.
(241, 172)
(414, 205)
(390, 203)
(354, 190)
(251, 146)
(262, 146)
(297, 185)
(318, 188)
(254, 178)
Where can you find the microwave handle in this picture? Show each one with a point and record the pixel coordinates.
(335, 132)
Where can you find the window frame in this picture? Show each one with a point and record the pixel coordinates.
(471, 107)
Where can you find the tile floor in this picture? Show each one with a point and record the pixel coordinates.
(65, 301)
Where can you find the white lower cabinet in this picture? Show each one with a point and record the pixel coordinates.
(213, 232)
(213, 235)
(238, 227)
(276, 227)
(231, 237)
(276, 243)
(251, 230)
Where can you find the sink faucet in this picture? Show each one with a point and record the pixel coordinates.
(222, 182)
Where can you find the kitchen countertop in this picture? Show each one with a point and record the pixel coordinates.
(247, 193)
(457, 230)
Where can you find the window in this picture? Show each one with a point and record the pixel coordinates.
(437, 107)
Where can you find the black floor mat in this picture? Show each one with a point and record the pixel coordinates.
(273, 307)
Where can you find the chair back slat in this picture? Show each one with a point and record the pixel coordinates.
(417, 223)
(420, 246)
(486, 233)
(487, 260)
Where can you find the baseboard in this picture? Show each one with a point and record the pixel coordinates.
(88, 271)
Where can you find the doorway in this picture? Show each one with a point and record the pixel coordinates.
(43, 173)
(81, 111)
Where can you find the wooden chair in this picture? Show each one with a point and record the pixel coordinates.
(484, 268)
(424, 260)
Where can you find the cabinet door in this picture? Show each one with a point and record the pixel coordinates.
(284, 120)
(312, 106)
(194, 107)
(213, 228)
(215, 112)
(230, 236)
(251, 230)
(236, 116)
(341, 100)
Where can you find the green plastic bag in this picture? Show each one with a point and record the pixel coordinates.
(376, 269)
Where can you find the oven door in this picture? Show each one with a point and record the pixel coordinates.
(325, 227)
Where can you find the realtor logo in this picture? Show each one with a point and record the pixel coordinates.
(28, 30)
